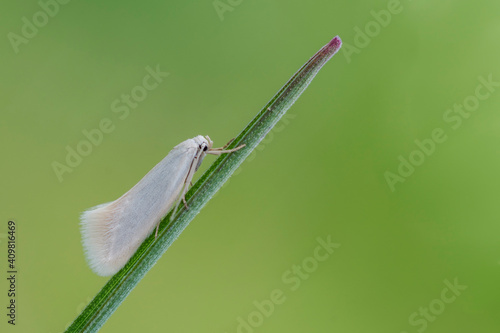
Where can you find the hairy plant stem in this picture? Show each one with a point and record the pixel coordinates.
(121, 284)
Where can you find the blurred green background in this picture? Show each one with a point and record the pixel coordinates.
(321, 173)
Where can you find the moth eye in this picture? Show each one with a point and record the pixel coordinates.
(205, 148)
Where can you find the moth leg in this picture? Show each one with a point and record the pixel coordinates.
(180, 198)
(225, 146)
(219, 151)
(185, 187)
(156, 232)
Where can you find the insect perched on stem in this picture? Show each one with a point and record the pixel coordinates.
(113, 231)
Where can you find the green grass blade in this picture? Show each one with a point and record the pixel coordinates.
(121, 284)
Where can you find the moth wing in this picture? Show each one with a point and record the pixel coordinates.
(112, 232)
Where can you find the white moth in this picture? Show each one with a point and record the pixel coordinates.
(113, 231)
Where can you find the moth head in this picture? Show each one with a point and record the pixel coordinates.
(204, 144)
